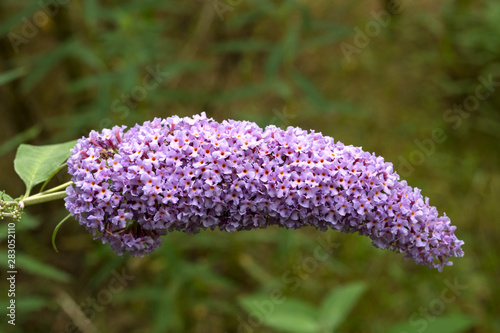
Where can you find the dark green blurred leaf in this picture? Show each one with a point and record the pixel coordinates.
(274, 61)
(91, 12)
(265, 6)
(34, 266)
(238, 21)
(309, 89)
(291, 42)
(305, 14)
(8, 25)
(88, 56)
(171, 70)
(453, 323)
(205, 273)
(290, 315)
(13, 74)
(128, 79)
(32, 303)
(16, 140)
(242, 46)
(144, 293)
(251, 90)
(152, 4)
(328, 37)
(46, 62)
(103, 78)
(339, 303)
(254, 270)
(168, 321)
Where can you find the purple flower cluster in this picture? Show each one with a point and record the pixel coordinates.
(186, 174)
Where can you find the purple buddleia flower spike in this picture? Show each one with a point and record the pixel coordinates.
(186, 174)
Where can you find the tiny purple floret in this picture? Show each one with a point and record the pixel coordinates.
(186, 174)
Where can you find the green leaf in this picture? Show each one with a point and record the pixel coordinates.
(12, 75)
(289, 315)
(35, 267)
(91, 13)
(243, 45)
(254, 270)
(290, 42)
(265, 6)
(310, 90)
(17, 139)
(237, 21)
(32, 303)
(11, 23)
(274, 61)
(88, 56)
(247, 91)
(4, 196)
(339, 303)
(326, 33)
(44, 63)
(31, 265)
(453, 323)
(170, 321)
(102, 78)
(35, 164)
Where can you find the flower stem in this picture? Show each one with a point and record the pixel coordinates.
(40, 198)
(54, 189)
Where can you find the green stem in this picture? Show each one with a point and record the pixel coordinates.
(36, 199)
(54, 189)
(57, 229)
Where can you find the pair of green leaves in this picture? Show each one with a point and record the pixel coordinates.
(295, 316)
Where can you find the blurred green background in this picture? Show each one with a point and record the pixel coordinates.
(413, 81)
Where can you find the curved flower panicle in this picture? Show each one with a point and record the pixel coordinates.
(186, 174)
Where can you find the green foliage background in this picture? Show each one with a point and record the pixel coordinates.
(72, 66)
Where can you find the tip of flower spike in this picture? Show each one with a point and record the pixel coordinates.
(187, 174)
